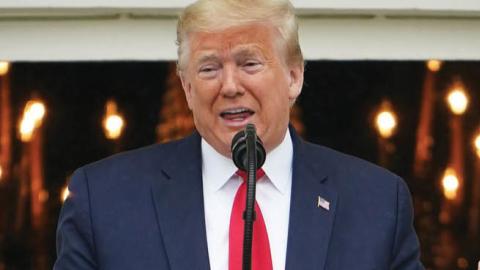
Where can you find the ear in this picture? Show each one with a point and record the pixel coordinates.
(187, 88)
(296, 81)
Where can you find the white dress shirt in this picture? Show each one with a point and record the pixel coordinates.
(220, 184)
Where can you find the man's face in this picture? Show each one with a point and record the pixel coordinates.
(239, 76)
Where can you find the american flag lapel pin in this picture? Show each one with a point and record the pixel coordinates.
(323, 203)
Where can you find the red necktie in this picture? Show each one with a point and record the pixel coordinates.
(261, 258)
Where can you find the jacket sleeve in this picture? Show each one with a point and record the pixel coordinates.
(406, 249)
(75, 244)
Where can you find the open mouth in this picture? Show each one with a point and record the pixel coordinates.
(236, 115)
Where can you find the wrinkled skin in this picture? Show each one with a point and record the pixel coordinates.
(237, 76)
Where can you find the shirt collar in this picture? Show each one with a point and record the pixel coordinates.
(278, 165)
(218, 169)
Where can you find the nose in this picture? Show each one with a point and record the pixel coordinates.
(230, 83)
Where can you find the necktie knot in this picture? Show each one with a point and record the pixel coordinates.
(244, 176)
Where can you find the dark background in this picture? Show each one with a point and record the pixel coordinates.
(338, 104)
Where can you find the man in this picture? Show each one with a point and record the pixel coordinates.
(170, 206)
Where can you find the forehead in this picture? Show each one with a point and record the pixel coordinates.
(254, 37)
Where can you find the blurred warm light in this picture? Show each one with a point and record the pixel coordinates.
(36, 110)
(434, 65)
(4, 67)
(32, 118)
(477, 145)
(462, 263)
(457, 100)
(65, 193)
(26, 129)
(386, 122)
(450, 184)
(114, 125)
(43, 196)
(113, 122)
(1, 173)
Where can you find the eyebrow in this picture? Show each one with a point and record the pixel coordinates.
(240, 52)
(207, 57)
(248, 51)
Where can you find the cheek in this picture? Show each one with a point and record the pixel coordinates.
(203, 97)
(202, 90)
(274, 91)
(277, 102)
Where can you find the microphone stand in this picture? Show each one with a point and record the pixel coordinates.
(249, 215)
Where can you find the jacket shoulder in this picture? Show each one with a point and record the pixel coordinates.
(339, 161)
(348, 172)
(132, 169)
(141, 159)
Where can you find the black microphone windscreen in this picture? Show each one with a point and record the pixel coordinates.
(239, 149)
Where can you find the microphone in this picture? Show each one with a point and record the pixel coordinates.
(248, 154)
(239, 148)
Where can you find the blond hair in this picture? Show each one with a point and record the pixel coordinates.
(216, 15)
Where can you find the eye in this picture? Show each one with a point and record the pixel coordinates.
(208, 71)
(252, 65)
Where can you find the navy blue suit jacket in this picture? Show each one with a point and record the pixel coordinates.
(144, 210)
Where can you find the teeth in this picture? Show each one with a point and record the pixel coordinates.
(233, 111)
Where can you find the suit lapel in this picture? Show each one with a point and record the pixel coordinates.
(178, 198)
(310, 225)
